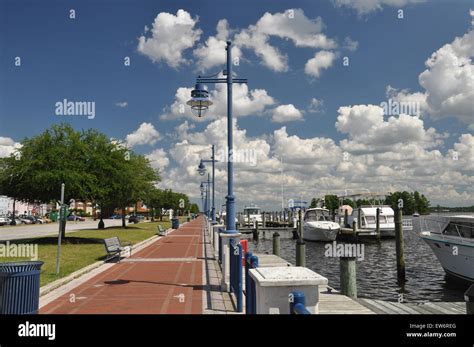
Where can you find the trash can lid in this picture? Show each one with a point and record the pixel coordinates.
(469, 294)
(18, 266)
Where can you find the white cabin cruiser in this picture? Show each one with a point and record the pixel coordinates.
(317, 225)
(252, 214)
(452, 241)
(368, 220)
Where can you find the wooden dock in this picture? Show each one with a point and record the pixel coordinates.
(388, 307)
(333, 302)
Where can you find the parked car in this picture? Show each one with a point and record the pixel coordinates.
(116, 216)
(10, 218)
(25, 220)
(32, 219)
(39, 220)
(75, 218)
(4, 220)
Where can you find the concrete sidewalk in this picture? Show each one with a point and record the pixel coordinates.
(166, 277)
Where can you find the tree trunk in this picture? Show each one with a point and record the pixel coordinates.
(124, 224)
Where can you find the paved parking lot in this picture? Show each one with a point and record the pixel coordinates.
(38, 230)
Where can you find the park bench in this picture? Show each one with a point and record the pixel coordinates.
(161, 230)
(114, 247)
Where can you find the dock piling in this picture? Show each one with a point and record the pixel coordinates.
(276, 243)
(346, 217)
(399, 244)
(377, 223)
(255, 233)
(348, 276)
(359, 218)
(300, 244)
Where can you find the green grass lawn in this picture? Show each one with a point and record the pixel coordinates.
(83, 248)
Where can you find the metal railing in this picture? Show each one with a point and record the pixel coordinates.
(251, 262)
(407, 224)
(297, 303)
(235, 257)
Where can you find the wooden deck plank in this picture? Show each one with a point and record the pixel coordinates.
(374, 305)
(392, 307)
(453, 307)
(439, 308)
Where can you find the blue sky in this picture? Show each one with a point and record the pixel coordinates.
(82, 59)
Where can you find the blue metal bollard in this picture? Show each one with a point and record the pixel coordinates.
(248, 255)
(297, 303)
(253, 289)
(236, 272)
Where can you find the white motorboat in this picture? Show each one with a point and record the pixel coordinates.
(252, 214)
(452, 241)
(368, 215)
(317, 225)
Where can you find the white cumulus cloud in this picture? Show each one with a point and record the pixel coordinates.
(322, 60)
(170, 36)
(7, 146)
(364, 7)
(145, 134)
(286, 113)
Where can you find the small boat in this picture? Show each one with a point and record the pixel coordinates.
(416, 214)
(317, 225)
(368, 215)
(252, 214)
(452, 241)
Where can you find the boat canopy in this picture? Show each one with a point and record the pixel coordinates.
(317, 214)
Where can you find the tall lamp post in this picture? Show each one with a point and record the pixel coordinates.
(199, 103)
(202, 171)
(205, 195)
(203, 202)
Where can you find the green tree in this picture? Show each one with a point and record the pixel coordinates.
(194, 208)
(314, 202)
(92, 167)
(408, 201)
(136, 178)
(331, 202)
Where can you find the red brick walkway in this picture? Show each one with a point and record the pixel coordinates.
(163, 278)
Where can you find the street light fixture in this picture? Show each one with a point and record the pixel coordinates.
(199, 100)
(201, 168)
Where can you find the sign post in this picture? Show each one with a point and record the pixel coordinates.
(62, 219)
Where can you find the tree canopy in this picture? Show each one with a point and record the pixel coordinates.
(93, 167)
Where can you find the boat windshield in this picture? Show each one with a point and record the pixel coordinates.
(317, 215)
(463, 229)
(251, 211)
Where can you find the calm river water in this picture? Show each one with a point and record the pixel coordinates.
(377, 273)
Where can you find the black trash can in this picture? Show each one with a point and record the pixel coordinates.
(175, 223)
(19, 287)
(469, 297)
